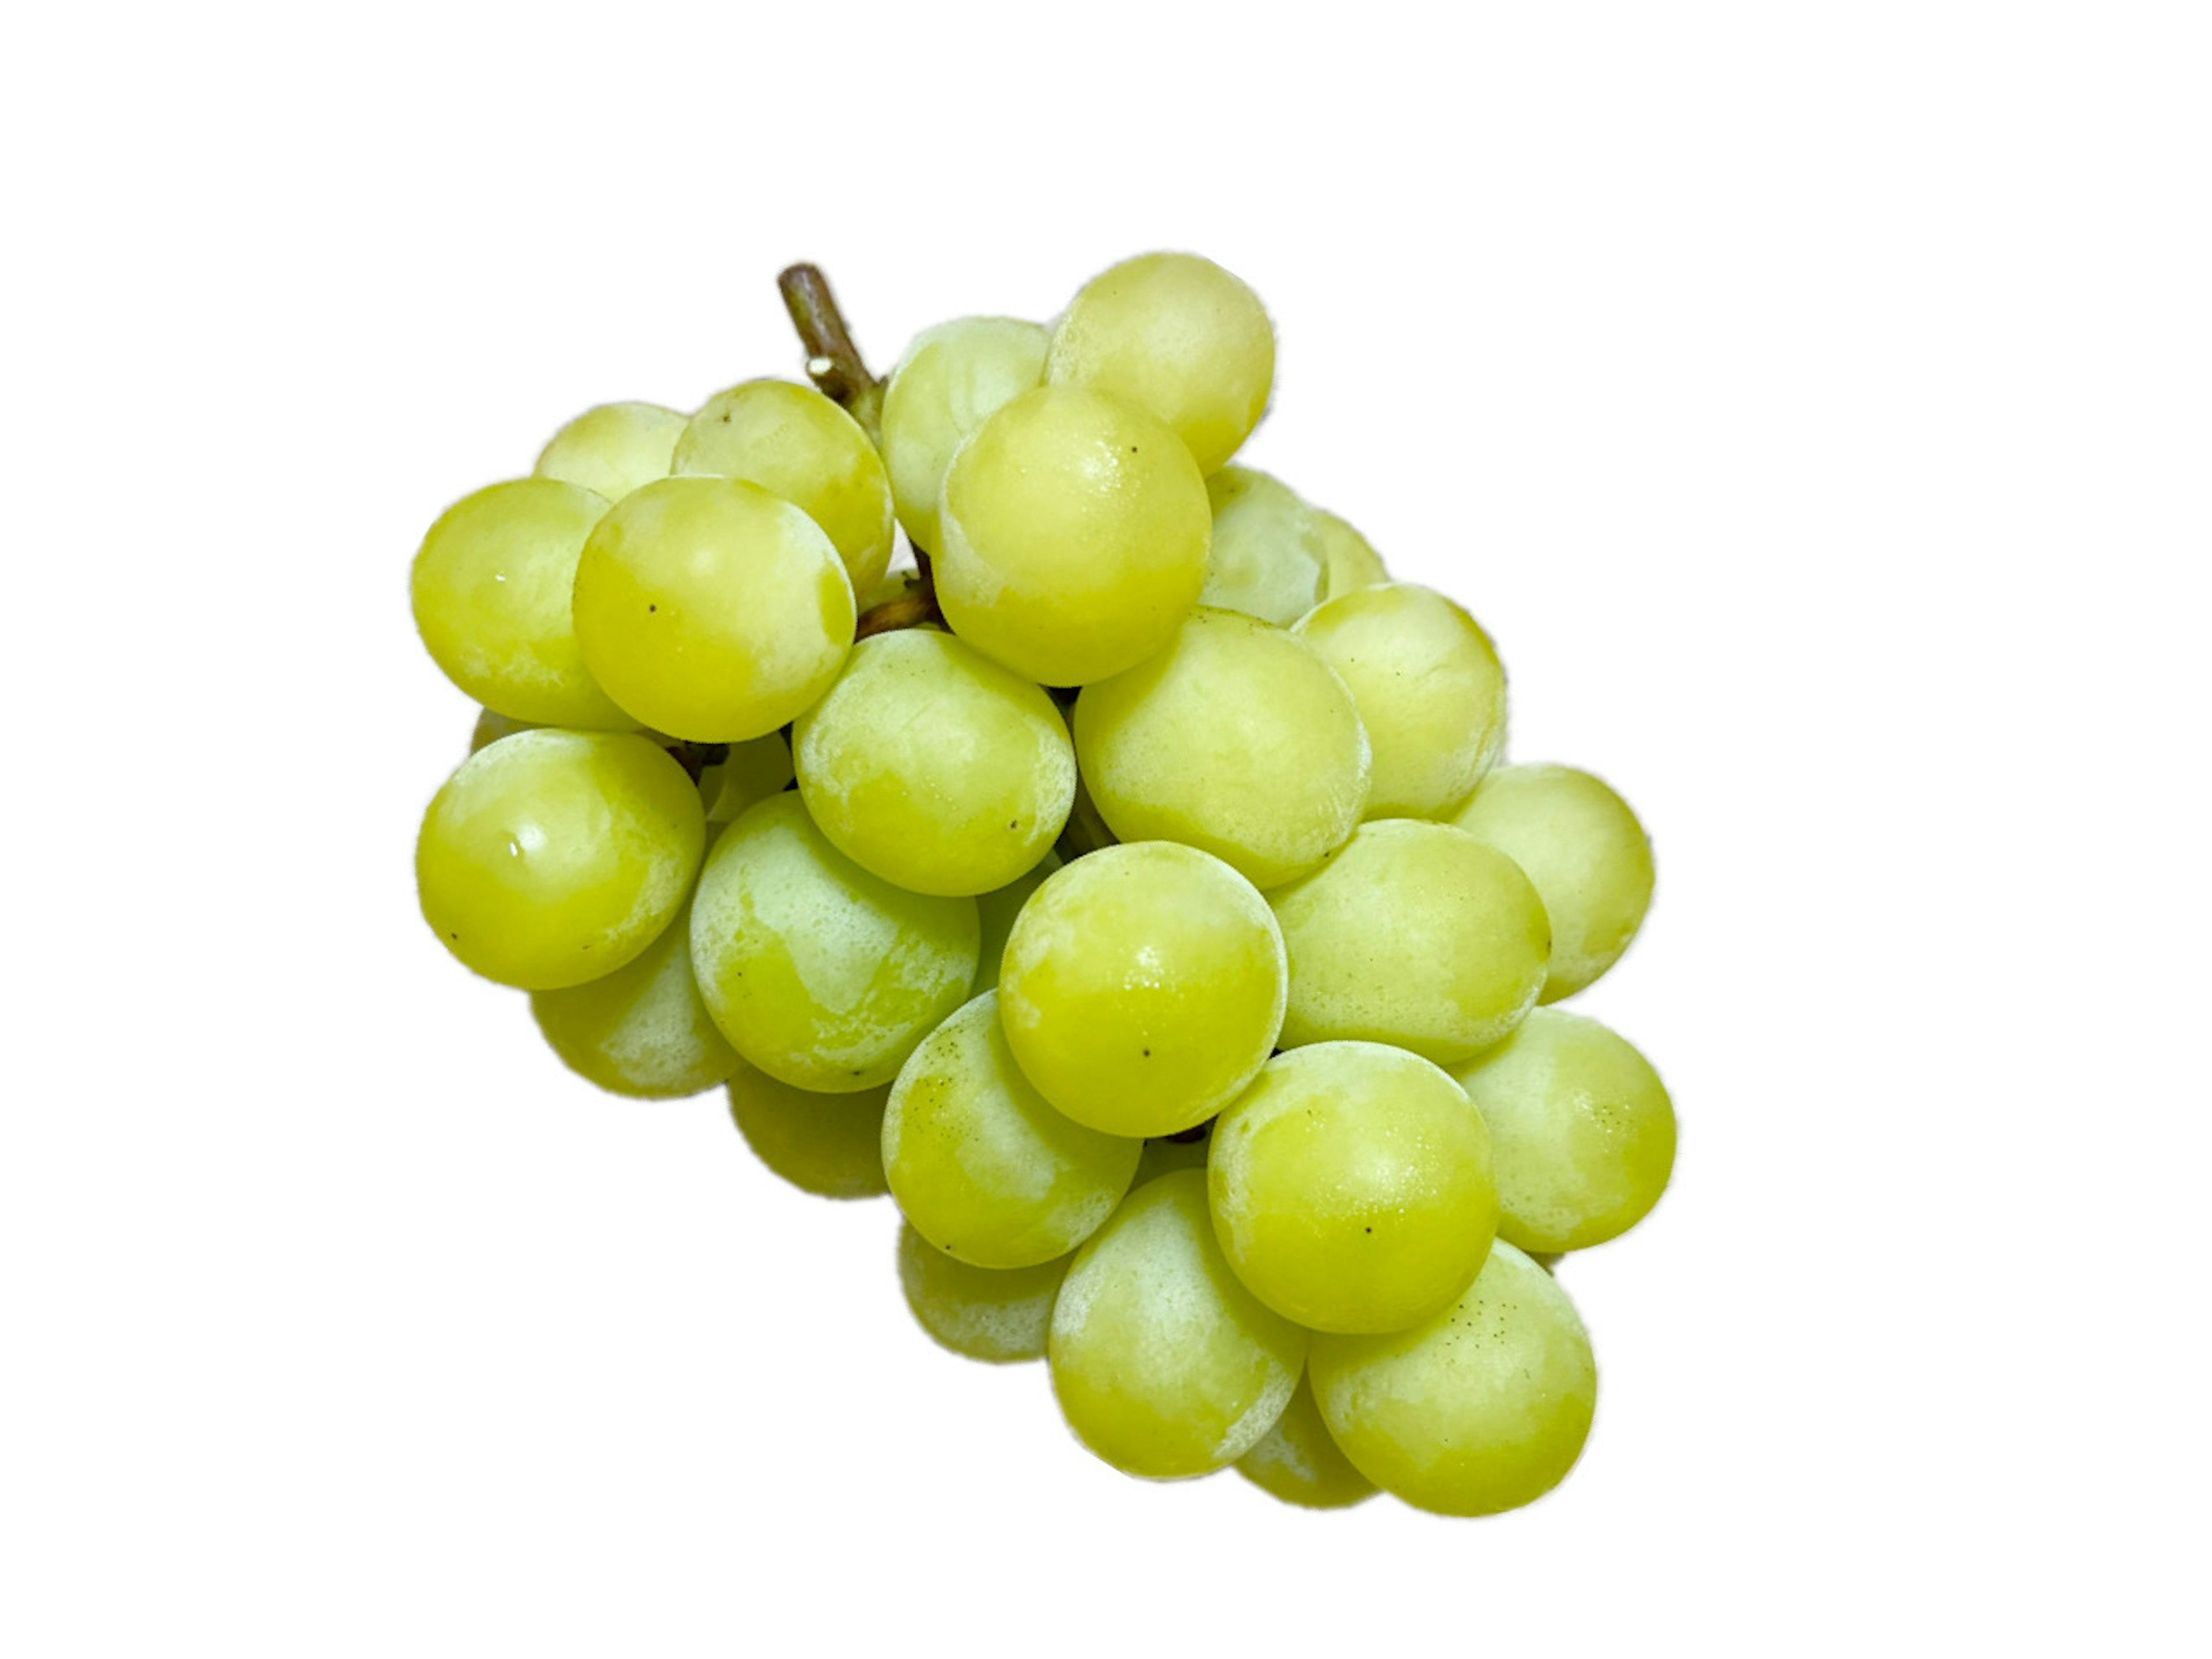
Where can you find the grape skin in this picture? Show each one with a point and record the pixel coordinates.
(953, 378)
(1351, 562)
(829, 1145)
(1000, 1316)
(641, 1031)
(1268, 557)
(1297, 1462)
(613, 449)
(997, 910)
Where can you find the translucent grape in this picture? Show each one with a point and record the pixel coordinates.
(1297, 1461)
(1587, 855)
(1268, 558)
(712, 609)
(932, 766)
(830, 1145)
(1483, 1408)
(1143, 987)
(614, 448)
(1177, 334)
(1351, 1187)
(1074, 531)
(1164, 1155)
(753, 771)
(819, 973)
(491, 592)
(551, 858)
(997, 909)
(1430, 690)
(953, 378)
(1237, 739)
(1582, 1127)
(981, 1167)
(997, 1314)
(1414, 935)
(642, 1030)
(490, 728)
(792, 440)
(1348, 560)
(1164, 1364)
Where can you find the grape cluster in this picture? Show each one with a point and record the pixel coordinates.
(1131, 887)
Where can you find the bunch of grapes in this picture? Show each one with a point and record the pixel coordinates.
(1130, 887)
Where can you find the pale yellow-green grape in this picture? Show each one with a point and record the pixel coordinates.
(642, 1030)
(830, 1145)
(980, 1166)
(614, 448)
(1582, 1128)
(1349, 562)
(1483, 1408)
(1237, 739)
(819, 973)
(953, 378)
(1165, 1155)
(1297, 1461)
(1164, 1364)
(1268, 558)
(997, 1314)
(711, 609)
(551, 858)
(1143, 987)
(753, 772)
(1429, 688)
(1351, 1187)
(934, 767)
(491, 728)
(1583, 849)
(1414, 935)
(1177, 334)
(490, 590)
(1074, 530)
(997, 910)
(793, 440)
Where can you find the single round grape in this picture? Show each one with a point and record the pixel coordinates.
(1165, 1154)
(1430, 690)
(1177, 334)
(932, 766)
(1348, 562)
(997, 909)
(551, 858)
(752, 772)
(1297, 1461)
(491, 591)
(819, 973)
(1483, 1408)
(491, 728)
(980, 1165)
(1074, 531)
(642, 1030)
(1267, 558)
(997, 1314)
(1164, 1364)
(1582, 1127)
(953, 378)
(1414, 934)
(830, 1145)
(614, 448)
(712, 609)
(1143, 987)
(1351, 1187)
(1236, 739)
(1587, 855)
(795, 442)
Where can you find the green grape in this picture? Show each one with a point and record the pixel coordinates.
(614, 448)
(1164, 1364)
(1351, 1187)
(1483, 1408)
(551, 858)
(980, 1166)
(1164, 1155)
(1348, 560)
(830, 1145)
(1429, 687)
(1177, 334)
(491, 728)
(952, 379)
(1297, 1461)
(1414, 934)
(1236, 739)
(753, 771)
(997, 909)
(1582, 1130)
(793, 442)
(997, 1314)
(1143, 987)
(818, 972)
(1583, 849)
(640, 1030)
(1267, 558)
(712, 609)
(491, 591)
(932, 766)
(1074, 531)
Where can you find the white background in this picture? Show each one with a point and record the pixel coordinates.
(1812, 401)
